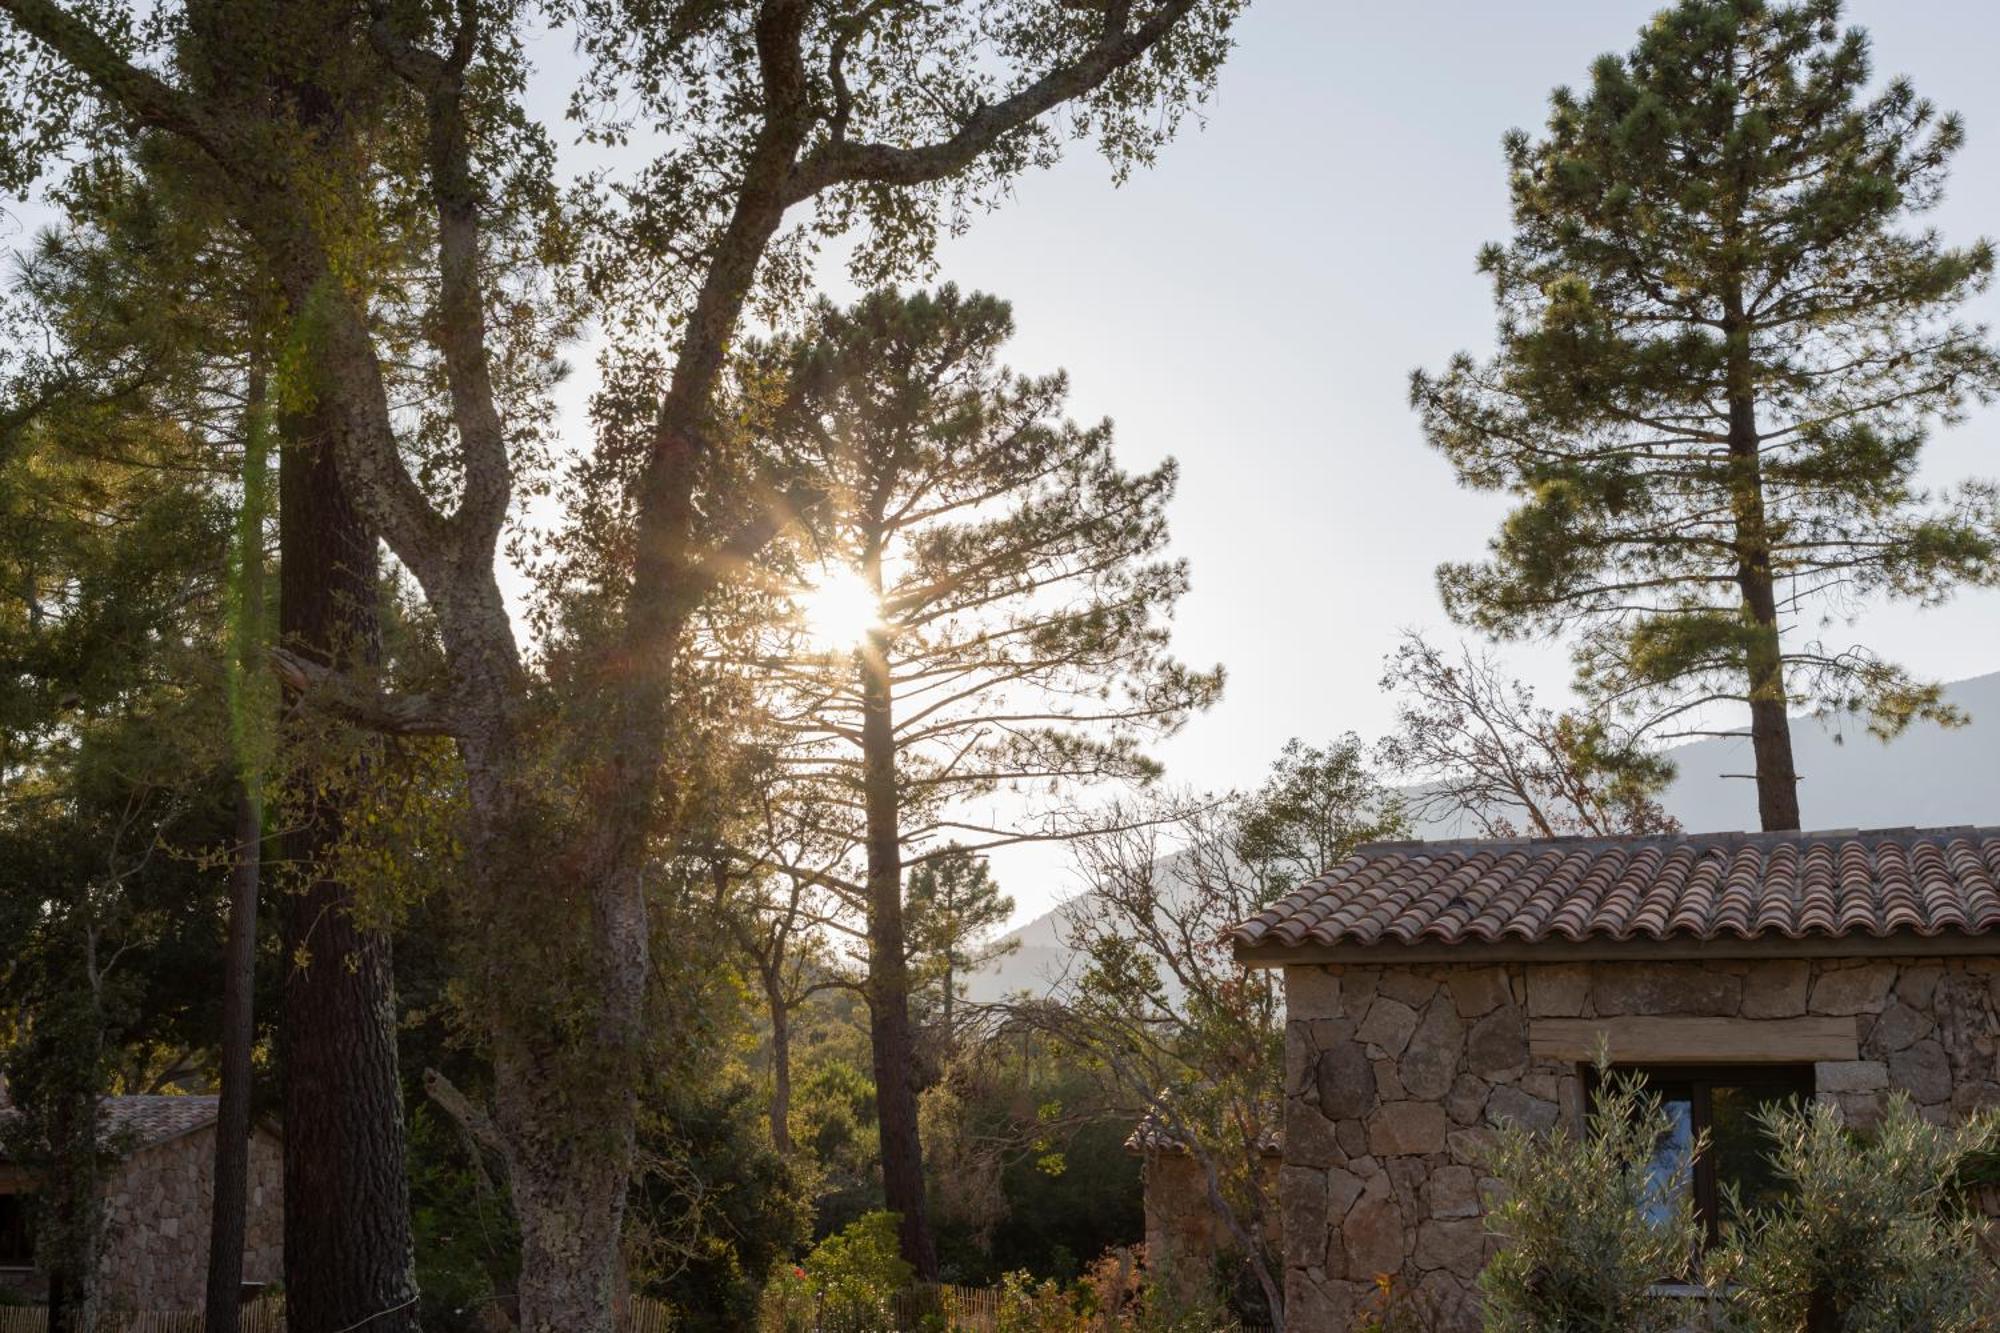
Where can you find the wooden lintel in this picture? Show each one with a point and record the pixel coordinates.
(1642, 1040)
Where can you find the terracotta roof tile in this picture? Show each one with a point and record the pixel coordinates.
(1710, 886)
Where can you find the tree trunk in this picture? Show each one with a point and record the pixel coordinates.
(348, 1255)
(232, 1119)
(231, 1173)
(1770, 720)
(569, 1182)
(781, 1061)
(888, 965)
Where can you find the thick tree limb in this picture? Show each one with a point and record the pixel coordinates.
(354, 701)
(839, 160)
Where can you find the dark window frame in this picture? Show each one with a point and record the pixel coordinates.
(1698, 1082)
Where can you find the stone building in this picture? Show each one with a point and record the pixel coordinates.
(1434, 991)
(1184, 1236)
(156, 1207)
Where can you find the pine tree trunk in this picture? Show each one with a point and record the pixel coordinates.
(781, 1063)
(1770, 720)
(888, 968)
(231, 1173)
(232, 1120)
(348, 1255)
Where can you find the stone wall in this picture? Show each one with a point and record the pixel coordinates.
(1395, 1077)
(1183, 1234)
(157, 1205)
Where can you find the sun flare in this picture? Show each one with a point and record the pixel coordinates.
(839, 610)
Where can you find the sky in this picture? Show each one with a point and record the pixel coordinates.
(1254, 304)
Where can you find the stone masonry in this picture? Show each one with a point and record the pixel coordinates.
(1395, 1077)
(157, 1220)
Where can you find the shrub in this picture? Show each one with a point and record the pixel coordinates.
(1588, 1229)
(1873, 1235)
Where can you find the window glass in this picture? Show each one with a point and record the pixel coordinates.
(1669, 1177)
(1739, 1143)
(1722, 1102)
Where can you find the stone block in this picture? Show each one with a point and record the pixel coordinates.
(1407, 1127)
(1656, 989)
(1776, 988)
(1454, 1192)
(1898, 1028)
(1470, 1147)
(1837, 1076)
(1478, 990)
(1346, 1081)
(1923, 1072)
(1557, 990)
(1406, 986)
(1456, 1245)
(1509, 1105)
(1431, 1060)
(1388, 1026)
(1916, 983)
(1497, 1046)
(1312, 992)
(1310, 1138)
(1853, 990)
(1371, 1235)
(1466, 1101)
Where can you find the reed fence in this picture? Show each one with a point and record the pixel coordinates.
(266, 1316)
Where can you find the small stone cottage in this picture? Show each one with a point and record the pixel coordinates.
(156, 1207)
(1436, 990)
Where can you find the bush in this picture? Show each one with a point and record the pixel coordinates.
(848, 1282)
(1582, 1255)
(1873, 1235)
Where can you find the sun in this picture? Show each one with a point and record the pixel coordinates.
(840, 610)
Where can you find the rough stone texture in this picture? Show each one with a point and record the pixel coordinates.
(1664, 988)
(1776, 989)
(1479, 990)
(156, 1215)
(1398, 1184)
(1430, 1062)
(1388, 1026)
(1346, 1082)
(1558, 991)
(1183, 1234)
(1860, 989)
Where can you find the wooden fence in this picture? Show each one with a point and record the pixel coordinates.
(642, 1315)
(266, 1316)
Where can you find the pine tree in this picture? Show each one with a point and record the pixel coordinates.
(1721, 351)
(954, 907)
(985, 610)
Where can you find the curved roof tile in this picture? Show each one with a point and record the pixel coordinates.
(1923, 882)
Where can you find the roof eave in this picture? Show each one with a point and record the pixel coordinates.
(1601, 949)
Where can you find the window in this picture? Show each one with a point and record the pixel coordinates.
(17, 1239)
(1725, 1101)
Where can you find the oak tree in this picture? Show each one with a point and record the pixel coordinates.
(786, 121)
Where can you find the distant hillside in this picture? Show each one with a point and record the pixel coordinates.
(1927, 776)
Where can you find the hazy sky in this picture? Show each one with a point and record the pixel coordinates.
(1254, 305)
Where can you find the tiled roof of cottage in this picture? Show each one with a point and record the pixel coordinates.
(131, 1123)
(1881, 883)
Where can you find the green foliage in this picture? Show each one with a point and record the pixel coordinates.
(953, 907)
(1871, 1235)
(856, 1272)
(1586, 1229)
(461, 1225)
(713, 1207)
(1721, 351)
